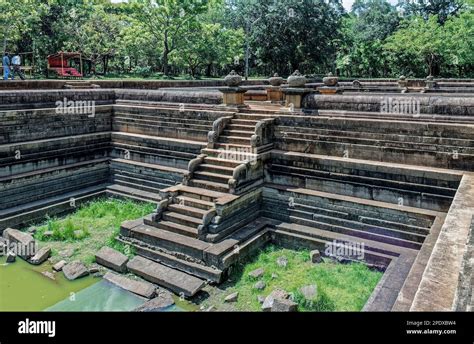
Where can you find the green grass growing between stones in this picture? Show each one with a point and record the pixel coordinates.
(340, 287)
(99, 223)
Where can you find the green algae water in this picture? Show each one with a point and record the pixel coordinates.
(24, 288)
(102, 296)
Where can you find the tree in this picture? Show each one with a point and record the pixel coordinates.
(424, 39)
(289, 34)
(426, 8)
(169, 21)
(212, 44)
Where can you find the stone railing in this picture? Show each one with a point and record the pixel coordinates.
(160, 209)
(217, 128)
(245, 174)
(192, 167)
(263, 133)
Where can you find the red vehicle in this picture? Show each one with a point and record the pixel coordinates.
(60, 64)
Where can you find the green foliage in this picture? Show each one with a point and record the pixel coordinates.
(209, 37)
(340, 287)
(98, 223)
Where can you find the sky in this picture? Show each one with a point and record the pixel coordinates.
(346, 3)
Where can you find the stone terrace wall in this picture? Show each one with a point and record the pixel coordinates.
(429, 104)
(32, 99)
(124, 84)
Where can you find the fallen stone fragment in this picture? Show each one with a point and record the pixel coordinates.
(276, 294)
(75, 270)
(284, 305)
(41, 256)
(141, 288)
(260, 299)
(163, 300)
(24, 242)
(257, 273)
(316, 257)
(282, 262)
(48, 234)
(112, 259)
(310, 292)
(232, 297)
(59, 265)
(11, 257)
(94, 268)
(260, 285)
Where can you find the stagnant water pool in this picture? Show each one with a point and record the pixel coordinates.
(24, 288)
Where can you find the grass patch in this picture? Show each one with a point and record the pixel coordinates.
(92, 226)
(340, 287)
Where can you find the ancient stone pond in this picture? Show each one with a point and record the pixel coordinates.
(320, 167)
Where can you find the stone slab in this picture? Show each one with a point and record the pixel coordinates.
(141, 288)
(112, 259)
(177, 281)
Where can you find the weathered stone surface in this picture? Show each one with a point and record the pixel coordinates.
(232, 297)
(48, 234)
(49, 274)
(25, 243)
(41, 256)
(59, 265)
(284, 305)
(94, 268)
(276, 294)
(257, 273)
(310, 292)
(66, 253)
(11, 257)
(112, 259)
(163, 300)
(316, 257)
(75, 270)
(177, 281)
(282, 262)
(260, 299)
(141, 288)
(260, 285)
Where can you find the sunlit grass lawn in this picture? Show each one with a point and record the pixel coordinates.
(340, 287)
(99, 221)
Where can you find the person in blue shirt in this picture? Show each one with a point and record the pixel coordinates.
(6, 66)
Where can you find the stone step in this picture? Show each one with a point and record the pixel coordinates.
(366, 179)
(165, 238)
(195, 203)
(139, 184)
(406, 235)
(177, 218)
(204, 272)
(247, 122)
(235, 140)
(212, 177)
(217, 169)
(127, 191)
(159, 117)
(174, 280)
(188, 210)
(162, 122)
(222, 162)
(240, 127)
(174, 227)
(354, 206)
(239, 133)
(426, 138)
(208, 185)
(199, 193)
(233, 146)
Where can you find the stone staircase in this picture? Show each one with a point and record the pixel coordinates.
(195, 218)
